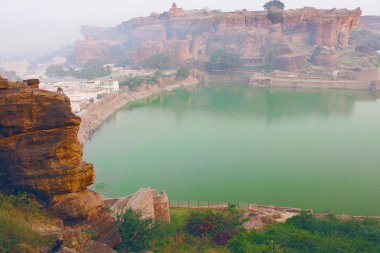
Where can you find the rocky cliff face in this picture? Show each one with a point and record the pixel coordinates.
(40, 153)
(190, 35)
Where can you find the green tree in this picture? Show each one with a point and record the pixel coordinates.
(183, 73)
(158, 61)
(270, 60)
(222, 59)
(315, 53)
(274, 10)
(274, 4)
(93, 69)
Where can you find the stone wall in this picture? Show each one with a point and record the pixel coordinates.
(161, 206)
(149, 202)
(312, 83)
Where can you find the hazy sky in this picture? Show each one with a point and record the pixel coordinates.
(32, 26)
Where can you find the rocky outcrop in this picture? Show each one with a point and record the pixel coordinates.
(289, 62)
(40, 153)
(191, 35)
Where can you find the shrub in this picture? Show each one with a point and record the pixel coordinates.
(139, 80)
(138, 234)
(222, 59)
(217, 226)
(305, 233)
(183, 73)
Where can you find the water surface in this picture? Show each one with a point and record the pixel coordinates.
(314, 149)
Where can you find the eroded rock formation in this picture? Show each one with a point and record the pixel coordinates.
(190, 35)
(40, 153)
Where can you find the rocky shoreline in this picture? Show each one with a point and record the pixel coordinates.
(93, 116)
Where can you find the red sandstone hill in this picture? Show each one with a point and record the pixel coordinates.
(40, 153)
(191, 35)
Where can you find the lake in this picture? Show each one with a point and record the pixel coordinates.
(317, 149)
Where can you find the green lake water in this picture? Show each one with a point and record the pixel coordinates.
(317, 149)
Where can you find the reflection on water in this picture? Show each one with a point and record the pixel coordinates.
(302, 148)
(271, 104)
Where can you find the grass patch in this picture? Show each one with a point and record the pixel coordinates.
(179, 217)
(17, 213)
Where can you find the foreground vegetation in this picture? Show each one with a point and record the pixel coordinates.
(221, 231)
(204, 231)
(17, 213)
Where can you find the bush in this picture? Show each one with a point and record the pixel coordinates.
(183, 73)
(217, 226)
(305, 233)
(139, 234)
(222, 59)
(139, 80)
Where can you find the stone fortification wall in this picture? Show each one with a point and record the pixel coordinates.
(161, 206)
(149, 202)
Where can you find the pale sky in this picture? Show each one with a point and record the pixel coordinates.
(39, 26)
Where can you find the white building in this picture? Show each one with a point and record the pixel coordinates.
(110, 86)
(90, 84)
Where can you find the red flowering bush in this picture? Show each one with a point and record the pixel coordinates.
(218, 227)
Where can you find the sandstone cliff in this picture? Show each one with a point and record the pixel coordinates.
(40, 153)
(192, 35)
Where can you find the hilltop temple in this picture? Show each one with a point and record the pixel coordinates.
(175, 10)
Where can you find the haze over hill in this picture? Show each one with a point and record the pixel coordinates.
(46, 25)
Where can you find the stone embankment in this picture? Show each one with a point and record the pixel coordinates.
(357, 82)
(93, 116)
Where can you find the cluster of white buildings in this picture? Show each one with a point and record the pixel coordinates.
(82, 92)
